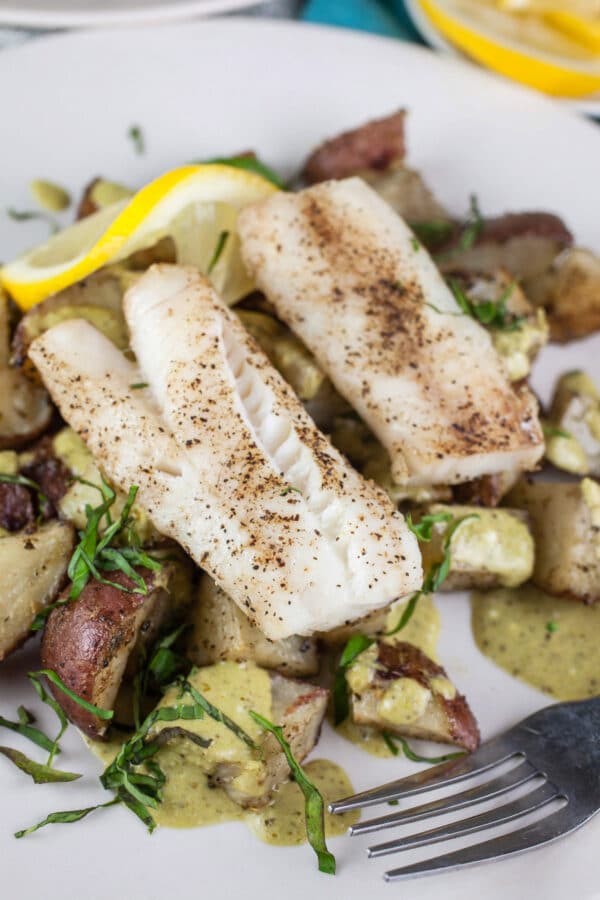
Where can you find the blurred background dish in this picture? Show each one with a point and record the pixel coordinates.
(551, 46)
(46, 14)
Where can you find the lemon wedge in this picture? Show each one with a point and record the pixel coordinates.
(538, 46)
(197, 206)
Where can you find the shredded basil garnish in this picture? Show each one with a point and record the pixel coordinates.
(433, 233)
(27, 730)
(28, 215)
(314, 806)
(218, 715)
(136, 137)
(94, 555)
(40, 773)
(66, 817)
(491, 313)
(220, 246)
(53, 678)
(553, 431)
(250, 164)
(390, 740)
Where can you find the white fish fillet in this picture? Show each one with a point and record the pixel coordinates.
(346, 274)
(227, 461)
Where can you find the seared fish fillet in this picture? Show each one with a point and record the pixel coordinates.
(227, 461)
(347, 275)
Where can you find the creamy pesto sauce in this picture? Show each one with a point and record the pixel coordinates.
(511, 628)
(422, 630)
(189, 801)
(189, 798)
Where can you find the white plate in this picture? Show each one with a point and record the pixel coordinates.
(589, 106)
(103, 13)
(217, 88)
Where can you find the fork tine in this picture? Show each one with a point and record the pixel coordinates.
(491, 754)
(494, 788)
(545, 831)
(498, 816)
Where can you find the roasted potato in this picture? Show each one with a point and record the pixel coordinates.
(565, 519)
(249, 775)
(91, 641)
(98, 193)
(406, 192)
(25, 408)
(373, 146)
(98, 299)
(517, 345)
(221, 631)
(34, 568)
(524, 244)
(573, 428)
(397, 688)
(485, 491)
(72, 453)
(493, 549)
(569, 290)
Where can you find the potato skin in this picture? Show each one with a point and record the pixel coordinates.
(87, 643)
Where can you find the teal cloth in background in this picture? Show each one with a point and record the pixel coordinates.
(377, 16)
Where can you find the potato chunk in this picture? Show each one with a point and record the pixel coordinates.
(520, 344)
(397, 688)
(573, 428)
(221, 631)
(34, 568)
(565, 519)
(493, 549)
(249, 775)
(570, 293)
(89, 641)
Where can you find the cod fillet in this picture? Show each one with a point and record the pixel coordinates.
(227, 461)
(348, 276)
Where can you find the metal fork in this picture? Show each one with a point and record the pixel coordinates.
(556, 752)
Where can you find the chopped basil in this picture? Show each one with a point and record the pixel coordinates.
(423, 529)
(220, 246)
(138, 386)
(215, 713)
(551, 627)
(249, 164)
(341, 703)
(27, 730)
(553, 431)
(407, 614)
(491, 313)
(136, 137)
(473, 225)
(289, 489)
(54, 679)
(414, 757)
(41, 774)
(433, 233)
(314, 806)
(42, 499)
(66, 817)
(28, 215)
(94, 554)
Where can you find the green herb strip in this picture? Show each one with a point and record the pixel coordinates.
(27, 730)
(473, 227)
(138, 386)
(290, 490)
(341, 702)
(551, 431)
(162, 664)
(29, 215)
(42, 499)
(136, 137)
(314, 806)
(249, 164)
(49, 700)
(414, 757)
(423, 529)
(66, 817)
(93, 554)
(53, 678)
(220, 246)
(491, 313)
(216, 714)
(407, 614)
(432, 233)
(41, 774)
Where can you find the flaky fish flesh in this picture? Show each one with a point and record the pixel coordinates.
(348, 276)
(227, 461)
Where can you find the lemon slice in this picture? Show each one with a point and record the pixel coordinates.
(536, 49)
(195, 205)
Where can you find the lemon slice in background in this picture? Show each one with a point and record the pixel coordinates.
(540, 47)
(195, 205)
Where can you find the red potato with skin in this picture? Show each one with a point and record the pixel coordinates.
(90, 641)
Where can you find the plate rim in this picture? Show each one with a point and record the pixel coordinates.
(178, 11)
